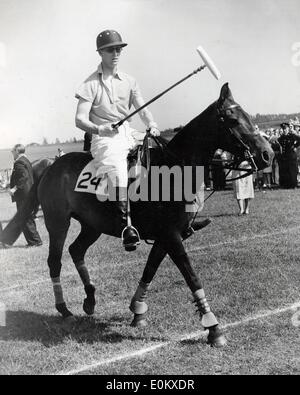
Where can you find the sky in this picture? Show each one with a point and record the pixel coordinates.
(47, 48)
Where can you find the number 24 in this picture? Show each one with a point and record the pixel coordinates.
(88, 178)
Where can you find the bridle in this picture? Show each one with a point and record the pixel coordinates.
(222, 124)
(222, 117)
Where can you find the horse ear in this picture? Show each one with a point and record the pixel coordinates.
(225, 93)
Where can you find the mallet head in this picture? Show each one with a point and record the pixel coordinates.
(209, 63)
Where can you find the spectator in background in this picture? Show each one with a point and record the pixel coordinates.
(20, 184)
(287, 159)
(60, 153)
(277, 150)
(207, 178)
(218, 174)
(2, 182)
(267, 172)
(243, 188)
(267, 177)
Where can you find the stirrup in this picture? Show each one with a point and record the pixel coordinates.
(131, 246)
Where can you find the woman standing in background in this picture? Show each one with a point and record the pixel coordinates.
(243, 188)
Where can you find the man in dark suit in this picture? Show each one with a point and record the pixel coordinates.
(287, 159)
(20, 184)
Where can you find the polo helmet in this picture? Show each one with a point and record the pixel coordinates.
(109, 38)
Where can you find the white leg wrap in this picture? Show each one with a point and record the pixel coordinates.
(208, 318)
(138, 304)
(58, 292)
(137, 307)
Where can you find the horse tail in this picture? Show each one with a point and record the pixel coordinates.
(29, 208)
(39, 169)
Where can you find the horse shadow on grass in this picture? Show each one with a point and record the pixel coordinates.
(51, 330)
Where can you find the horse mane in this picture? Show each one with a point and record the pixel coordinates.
(200, 132)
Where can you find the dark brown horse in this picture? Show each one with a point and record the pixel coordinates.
(223, 125)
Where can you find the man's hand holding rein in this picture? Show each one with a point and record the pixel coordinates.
(107, 130)
(153, 129)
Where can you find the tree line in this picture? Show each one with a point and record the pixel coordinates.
(256, 119)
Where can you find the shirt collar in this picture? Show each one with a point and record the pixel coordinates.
(117, 75)
(20, 156)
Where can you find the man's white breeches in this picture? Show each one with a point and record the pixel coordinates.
(110, 154)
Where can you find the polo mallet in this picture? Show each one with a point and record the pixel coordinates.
(215, 72)
(207, 63)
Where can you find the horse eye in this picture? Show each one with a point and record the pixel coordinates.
(229, 112)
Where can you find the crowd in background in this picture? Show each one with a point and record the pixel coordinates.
(285, 169)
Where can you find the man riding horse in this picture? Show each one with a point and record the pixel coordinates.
(104, 98)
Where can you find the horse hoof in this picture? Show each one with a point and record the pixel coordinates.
(63, 310)
(216, 338)
(88, 308)
(218, 342)
(139, 321)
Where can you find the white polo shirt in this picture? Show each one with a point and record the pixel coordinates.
(111, 101)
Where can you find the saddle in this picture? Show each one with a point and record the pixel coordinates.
(150, 152)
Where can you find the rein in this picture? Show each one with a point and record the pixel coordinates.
(234, 166)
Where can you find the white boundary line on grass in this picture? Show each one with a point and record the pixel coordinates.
(243, 239)
(17, 286)
(147, 350)
(223, 243)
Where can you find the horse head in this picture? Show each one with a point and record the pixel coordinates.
(237, 134)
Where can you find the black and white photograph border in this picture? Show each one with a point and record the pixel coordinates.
(141, 291)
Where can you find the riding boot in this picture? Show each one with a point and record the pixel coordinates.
(130, 236)
(197, 225)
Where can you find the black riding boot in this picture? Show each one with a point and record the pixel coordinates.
(130, 236)
(197, 225)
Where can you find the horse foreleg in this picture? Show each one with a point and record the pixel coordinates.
(77, 251)
(177, 252)
(138, 305)
(57, 239)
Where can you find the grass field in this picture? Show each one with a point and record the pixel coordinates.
(250, 269)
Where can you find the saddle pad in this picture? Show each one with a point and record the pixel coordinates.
(88, 182)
